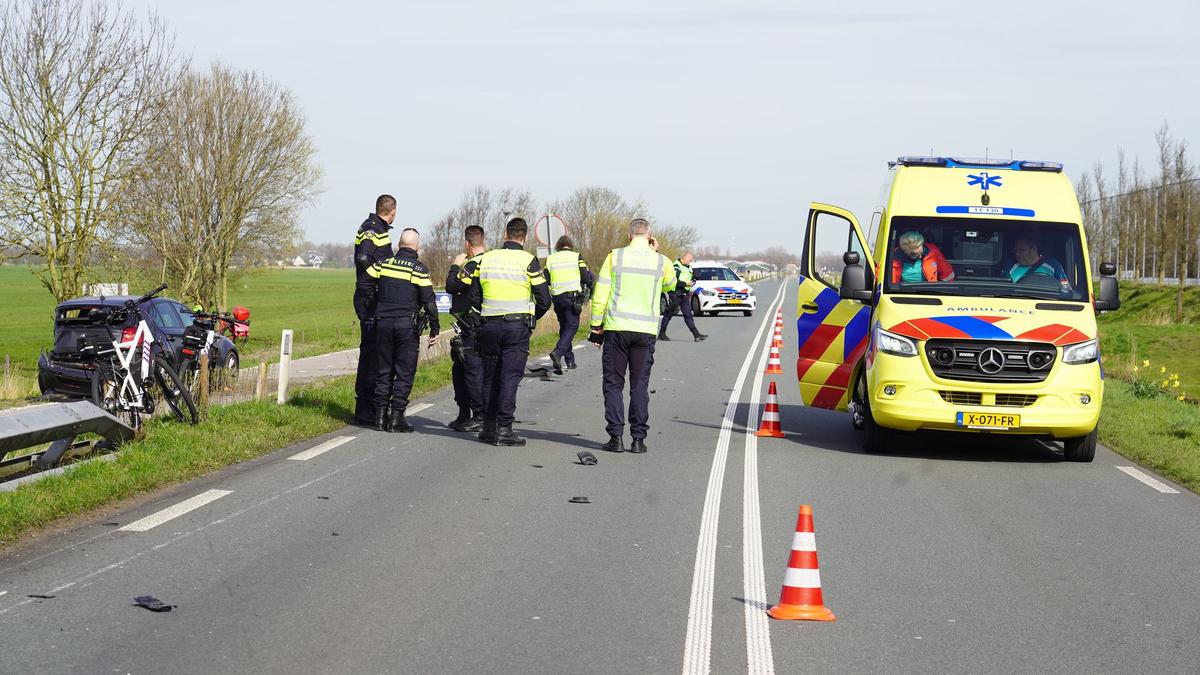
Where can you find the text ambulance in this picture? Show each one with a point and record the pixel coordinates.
(968, 306)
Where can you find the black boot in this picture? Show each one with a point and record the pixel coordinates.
(663, 336)
(381, 420)
(638, 446)
(487, 434)
(614, 444)
(505, 436)
(397, 424)
(700, 337)
(463, 421)
(557, 360)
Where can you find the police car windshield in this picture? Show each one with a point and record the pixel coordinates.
(715, 274)
(985, 258)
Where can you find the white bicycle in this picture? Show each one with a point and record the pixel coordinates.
(129, 374)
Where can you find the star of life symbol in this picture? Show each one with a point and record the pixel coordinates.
(983, 180)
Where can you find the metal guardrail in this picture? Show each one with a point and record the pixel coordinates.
(59, 425)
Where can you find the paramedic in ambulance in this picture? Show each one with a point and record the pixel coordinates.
(1029, 262)
(916, 261)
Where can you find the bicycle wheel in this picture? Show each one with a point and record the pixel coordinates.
(178, 398)
(106, 388)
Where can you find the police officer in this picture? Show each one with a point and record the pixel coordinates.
(466, 367)
(625, 315)
(404, 302)
(507, 277)
(568, 276)
(372, 244)
(681, 299)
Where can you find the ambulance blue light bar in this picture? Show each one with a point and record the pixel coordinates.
(977, 163)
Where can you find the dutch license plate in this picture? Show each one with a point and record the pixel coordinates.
(735, 301)
(988, 421)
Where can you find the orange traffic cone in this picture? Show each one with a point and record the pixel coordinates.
(769, 426)
(774, 366)
(800, 598)
(777, 339)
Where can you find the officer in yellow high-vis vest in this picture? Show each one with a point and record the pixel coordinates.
(568, 275)
(681, 299)
(513, 295)
(625, 315)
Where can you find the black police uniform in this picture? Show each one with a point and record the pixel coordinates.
(681, 299)
(403, 292)
(372, 245)
(466, 368)
(504, 347)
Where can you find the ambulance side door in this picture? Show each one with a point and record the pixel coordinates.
(832, 332)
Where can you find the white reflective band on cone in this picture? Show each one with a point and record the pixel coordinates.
(804, 541)
(797, 578)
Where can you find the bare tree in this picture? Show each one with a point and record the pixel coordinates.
(80, 85)
(226, 174)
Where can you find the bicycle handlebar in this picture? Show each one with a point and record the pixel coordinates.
(146, 297)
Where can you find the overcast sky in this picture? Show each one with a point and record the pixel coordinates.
(728, 116)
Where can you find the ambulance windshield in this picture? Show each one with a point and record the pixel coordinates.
(985, 258)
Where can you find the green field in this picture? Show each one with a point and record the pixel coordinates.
(1145, 329)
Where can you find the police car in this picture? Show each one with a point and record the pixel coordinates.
(719, 289)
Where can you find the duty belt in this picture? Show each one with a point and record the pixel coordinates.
(506, 317)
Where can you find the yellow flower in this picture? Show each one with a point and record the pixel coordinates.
(1162, 369)
(1135, 369)
(1176, 385)
(1174, 376)
(1164, 384)
(1146, 363)
(1182, 397)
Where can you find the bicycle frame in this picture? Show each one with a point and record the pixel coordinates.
(126, 351)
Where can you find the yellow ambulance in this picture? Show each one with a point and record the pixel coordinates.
(966, 305)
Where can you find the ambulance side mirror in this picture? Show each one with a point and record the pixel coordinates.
(854, 279)
(1108, 297)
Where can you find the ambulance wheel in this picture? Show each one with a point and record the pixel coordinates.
(1081, 449)
(876, 439)
(857, 407)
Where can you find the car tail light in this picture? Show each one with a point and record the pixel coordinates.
(127, 335)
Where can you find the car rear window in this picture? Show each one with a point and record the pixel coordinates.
(75, 315)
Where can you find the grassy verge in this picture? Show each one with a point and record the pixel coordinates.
(1160, 433)
(172, 453)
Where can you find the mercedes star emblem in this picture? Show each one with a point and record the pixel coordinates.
(991, 360)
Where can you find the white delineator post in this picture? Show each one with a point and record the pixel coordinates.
(285, 364)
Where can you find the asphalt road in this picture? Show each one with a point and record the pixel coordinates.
(432, 553)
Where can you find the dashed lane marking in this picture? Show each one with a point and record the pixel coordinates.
(171, 512)
(697, 651)
(1148, 480)
(321, 449)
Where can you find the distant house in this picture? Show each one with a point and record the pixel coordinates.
(315, 261)
(298, 262)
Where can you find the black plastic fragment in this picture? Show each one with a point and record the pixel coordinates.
(152, 603)
(42, 596)
(587, 458)
(580, 500)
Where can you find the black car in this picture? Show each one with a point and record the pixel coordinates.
(64, 371)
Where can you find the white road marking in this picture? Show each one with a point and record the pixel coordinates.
(754, 581)
(697, 651)
(172, 512)
(413, 410)
(322, 448)
(1148, 480)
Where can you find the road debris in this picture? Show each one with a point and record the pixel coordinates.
(152, 603)
(586, 458)
(580, 500)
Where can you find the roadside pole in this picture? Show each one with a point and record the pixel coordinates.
(285, 362)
